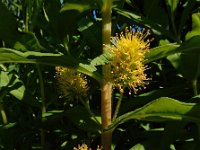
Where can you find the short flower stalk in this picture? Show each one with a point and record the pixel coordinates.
(127, 65)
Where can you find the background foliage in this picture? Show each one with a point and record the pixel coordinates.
(36, 36)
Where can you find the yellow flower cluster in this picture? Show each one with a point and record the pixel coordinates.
(85, 147)
(72, 84)
(127, 67)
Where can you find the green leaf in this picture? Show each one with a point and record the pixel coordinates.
(151, 143)
(27, 42)
(52, 16)
(144, 98)
(8, 25)
(195, 26)
(187, 64)
(91, 32)
(161, 52)
(78, 115)
(79, 6)
(155, 12)
(18, 92)
(145, 22)
(161, 110)
(14, 56)
(72, 11)
(118, 3)
(82, 119)
(172, 5)
(171, 133)
(192, 45)
(9, 33)
(103, 59)
(139, 146)
(12, 84)
(186, 14)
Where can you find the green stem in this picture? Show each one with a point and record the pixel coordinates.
(194, 87)
(41, 81)
(2, 111)
(118, 106)
(65, 43)
(106, 86)
(86, 105)
(43, 109)
(27, 19)
(174, 29)
(41, 89)
(3, 114)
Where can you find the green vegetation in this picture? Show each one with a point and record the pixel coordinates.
(67, 79)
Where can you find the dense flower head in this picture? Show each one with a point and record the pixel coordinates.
(71, 84)
(127, 65)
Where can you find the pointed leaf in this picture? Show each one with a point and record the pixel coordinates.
(161, 52)
(187, 64)
(172, 5)
(72, 11)
(192, 45)
(101, 60)
(91, 32)
(146, 22)
(80, 6)
(186, 14)
(14, 56)
(27, 41)
(195, 26)
(160, 110)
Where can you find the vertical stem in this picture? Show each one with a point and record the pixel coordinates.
(118, 106)
(41, 88)
(27, 18)
(43, 108)
(41, 81)
(3, 114)
(194, 87)
(2, 111)
(106, 87)
(86, 105)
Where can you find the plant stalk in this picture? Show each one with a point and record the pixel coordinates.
(106, 87)
(86, 105)
(118, 106)
(3, 115)
(43, 108)
(194, 87)
(2, 111)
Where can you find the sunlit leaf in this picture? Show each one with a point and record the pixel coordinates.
(172, 4)
(14, 56)
(195, 26)
(161, 52)
(162, 110)
(192, 45)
